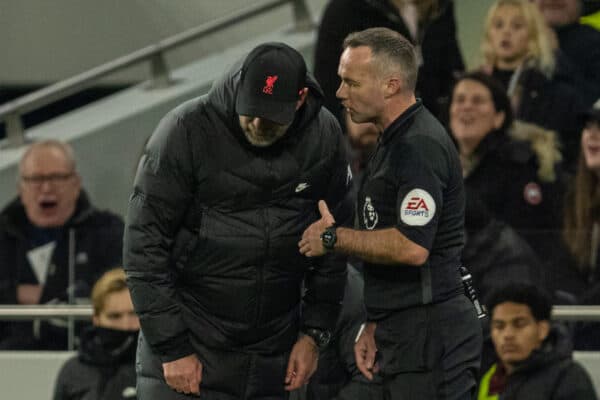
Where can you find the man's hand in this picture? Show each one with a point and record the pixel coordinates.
(302, 363)
(311, 244)
(184, 375)
(365, 350)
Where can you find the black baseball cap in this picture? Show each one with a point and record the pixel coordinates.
(593, 113)
(272, 76)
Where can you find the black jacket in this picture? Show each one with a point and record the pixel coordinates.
(211, 235)
(494, 253)
(98, 247)
(104, 369)
(439, 48)
(549, 373)
(553, 104)
(581, 45)
(505, 177)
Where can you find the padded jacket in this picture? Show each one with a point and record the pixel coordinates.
(211, 235)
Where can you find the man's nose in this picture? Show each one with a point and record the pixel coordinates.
(341, 92)
(46, 185)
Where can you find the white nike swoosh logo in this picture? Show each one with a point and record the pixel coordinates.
(301, 187)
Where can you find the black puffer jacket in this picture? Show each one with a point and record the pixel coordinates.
(213, 224)
(97, 241)
(104, 369)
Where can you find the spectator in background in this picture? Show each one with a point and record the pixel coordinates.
(104, 369)
(579, 274)
(579, 43)
(428, 24)
(520, 51)
(534, 357)
(494, 252)
(512, 168)
(49, 229)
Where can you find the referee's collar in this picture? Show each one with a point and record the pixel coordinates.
(401, 123)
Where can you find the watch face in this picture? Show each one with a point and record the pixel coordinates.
(321, 338)
(329, 238)
(325, 338)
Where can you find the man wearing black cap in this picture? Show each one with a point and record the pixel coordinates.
(226, 185)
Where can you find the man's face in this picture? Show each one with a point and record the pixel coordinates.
(361, 89)
(118, 313)
(48, 187)
(559, 12)
(261, 132)
(515, 332)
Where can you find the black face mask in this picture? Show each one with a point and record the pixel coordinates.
(105, 346)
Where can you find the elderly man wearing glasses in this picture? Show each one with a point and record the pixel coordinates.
(53, 243)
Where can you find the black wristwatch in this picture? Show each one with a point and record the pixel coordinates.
(329, 237)
(320, 336)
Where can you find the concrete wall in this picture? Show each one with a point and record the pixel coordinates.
(44, 41)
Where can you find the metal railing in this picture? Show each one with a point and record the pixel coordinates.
(17, 312)
(13, 111)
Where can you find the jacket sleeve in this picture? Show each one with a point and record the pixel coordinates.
(325, 282)
(162, 193)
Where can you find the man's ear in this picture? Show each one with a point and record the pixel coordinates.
(499, 119)
(301, 97)
(543, 330)
(392, 86)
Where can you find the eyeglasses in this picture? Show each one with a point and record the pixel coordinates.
(55, 179)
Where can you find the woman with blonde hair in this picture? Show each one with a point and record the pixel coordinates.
(520, 51)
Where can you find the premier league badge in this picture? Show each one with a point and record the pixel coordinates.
(370, 217)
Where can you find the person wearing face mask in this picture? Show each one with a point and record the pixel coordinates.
(50, 228)
(534, 357)
(519, 50)
(513, 168)
(104, 369)
(225, 187)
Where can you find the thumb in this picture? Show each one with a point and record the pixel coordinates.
(291, 371)
(325, 213)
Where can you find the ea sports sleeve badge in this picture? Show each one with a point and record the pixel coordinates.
(417, 208)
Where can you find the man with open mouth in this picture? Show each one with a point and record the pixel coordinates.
(53, 243)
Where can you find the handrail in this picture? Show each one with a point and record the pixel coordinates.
(22, 312)
(12, 111)
(576, 313)
(19, 312)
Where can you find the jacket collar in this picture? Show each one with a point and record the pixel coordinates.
(402, 123)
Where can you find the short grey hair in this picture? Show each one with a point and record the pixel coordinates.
(391, 50)
(64, 147)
